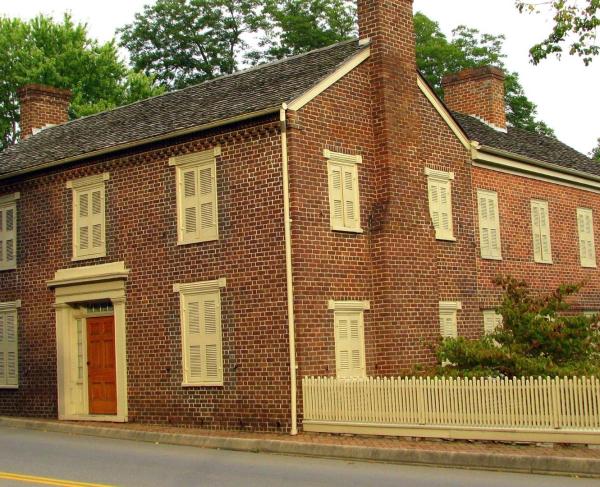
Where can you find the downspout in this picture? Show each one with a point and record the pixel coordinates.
(288, 269)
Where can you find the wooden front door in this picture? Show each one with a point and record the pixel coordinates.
(102, 374)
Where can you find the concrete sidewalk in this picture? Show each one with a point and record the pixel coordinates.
(560, 460)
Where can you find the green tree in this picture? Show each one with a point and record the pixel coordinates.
(183, 42)
(575, 24)
(61, 54)
(298, 26)
(468, 48)
(539, 336)
(595, 154)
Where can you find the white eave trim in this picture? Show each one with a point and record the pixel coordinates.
(333, 78)
(504, 161)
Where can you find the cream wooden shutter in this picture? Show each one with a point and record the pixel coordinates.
(491, 321)
(440, 203)
(97, 220)
(8, 237)
(350, 188)
(9, 360)
(208, 201)
(203, 339)
(349, 341)
(336, 195)
(587, 247)
(489, 225)
(542, 249)
(83, 221)
(448, 324)
(89, 222)
(189, 204)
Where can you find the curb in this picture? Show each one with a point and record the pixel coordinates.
(547, 464)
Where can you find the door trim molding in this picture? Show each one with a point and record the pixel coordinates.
(68, 294)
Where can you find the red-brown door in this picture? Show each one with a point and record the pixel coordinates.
(102, 376)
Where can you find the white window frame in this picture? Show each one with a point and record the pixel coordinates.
(351, 162)
(350, 309)
(449, 310)
(7, 308)
(197, 161)
(488, 224)
(586, 237)
(543, 257)
(491, 321)
(84, 185)
(9, 202)
(194, 289)
(435, 177)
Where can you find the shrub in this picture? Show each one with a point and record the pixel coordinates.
(539, 337)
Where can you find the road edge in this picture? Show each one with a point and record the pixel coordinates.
(546, 464)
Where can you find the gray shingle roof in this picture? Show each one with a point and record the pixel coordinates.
(260, 88)
(528, 144)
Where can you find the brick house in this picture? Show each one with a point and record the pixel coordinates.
(189, 258)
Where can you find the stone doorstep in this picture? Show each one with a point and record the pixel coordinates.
(485, 457)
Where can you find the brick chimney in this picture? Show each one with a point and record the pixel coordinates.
(400, 226)
(42, 106)
(478, 92)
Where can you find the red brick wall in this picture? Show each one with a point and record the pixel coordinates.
(514, 200)
(141, 230)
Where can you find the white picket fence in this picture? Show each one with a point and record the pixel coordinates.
(399, 405)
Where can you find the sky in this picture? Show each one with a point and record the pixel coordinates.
(565, 91)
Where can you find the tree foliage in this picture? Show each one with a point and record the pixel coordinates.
(298, 26)
(183, 42)
(575, 24)
(468, 48)
(61, 54)
(538, 337)
(595, 154)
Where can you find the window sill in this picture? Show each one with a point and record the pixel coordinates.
(88, 257)
(445, 239)
(197, 240)
(547, 262)
(589, 266)
(9, 387)
(491, 258)
(202, 384)
(12, 268)
(347, 230)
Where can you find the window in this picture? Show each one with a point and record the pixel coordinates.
(540, 224)
(344, 201)
(489, 225)
(448, 318)
(491, 321)
(440, 203)
(8, 231)
(9, 353)
(587, 248)
(349, 338)
(197, 209)
(200, 305)
(89, 221)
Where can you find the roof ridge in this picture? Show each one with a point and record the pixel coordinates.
(205, 82)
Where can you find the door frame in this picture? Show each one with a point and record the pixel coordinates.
(105, 282)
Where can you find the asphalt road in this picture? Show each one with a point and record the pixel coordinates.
(26, 455)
